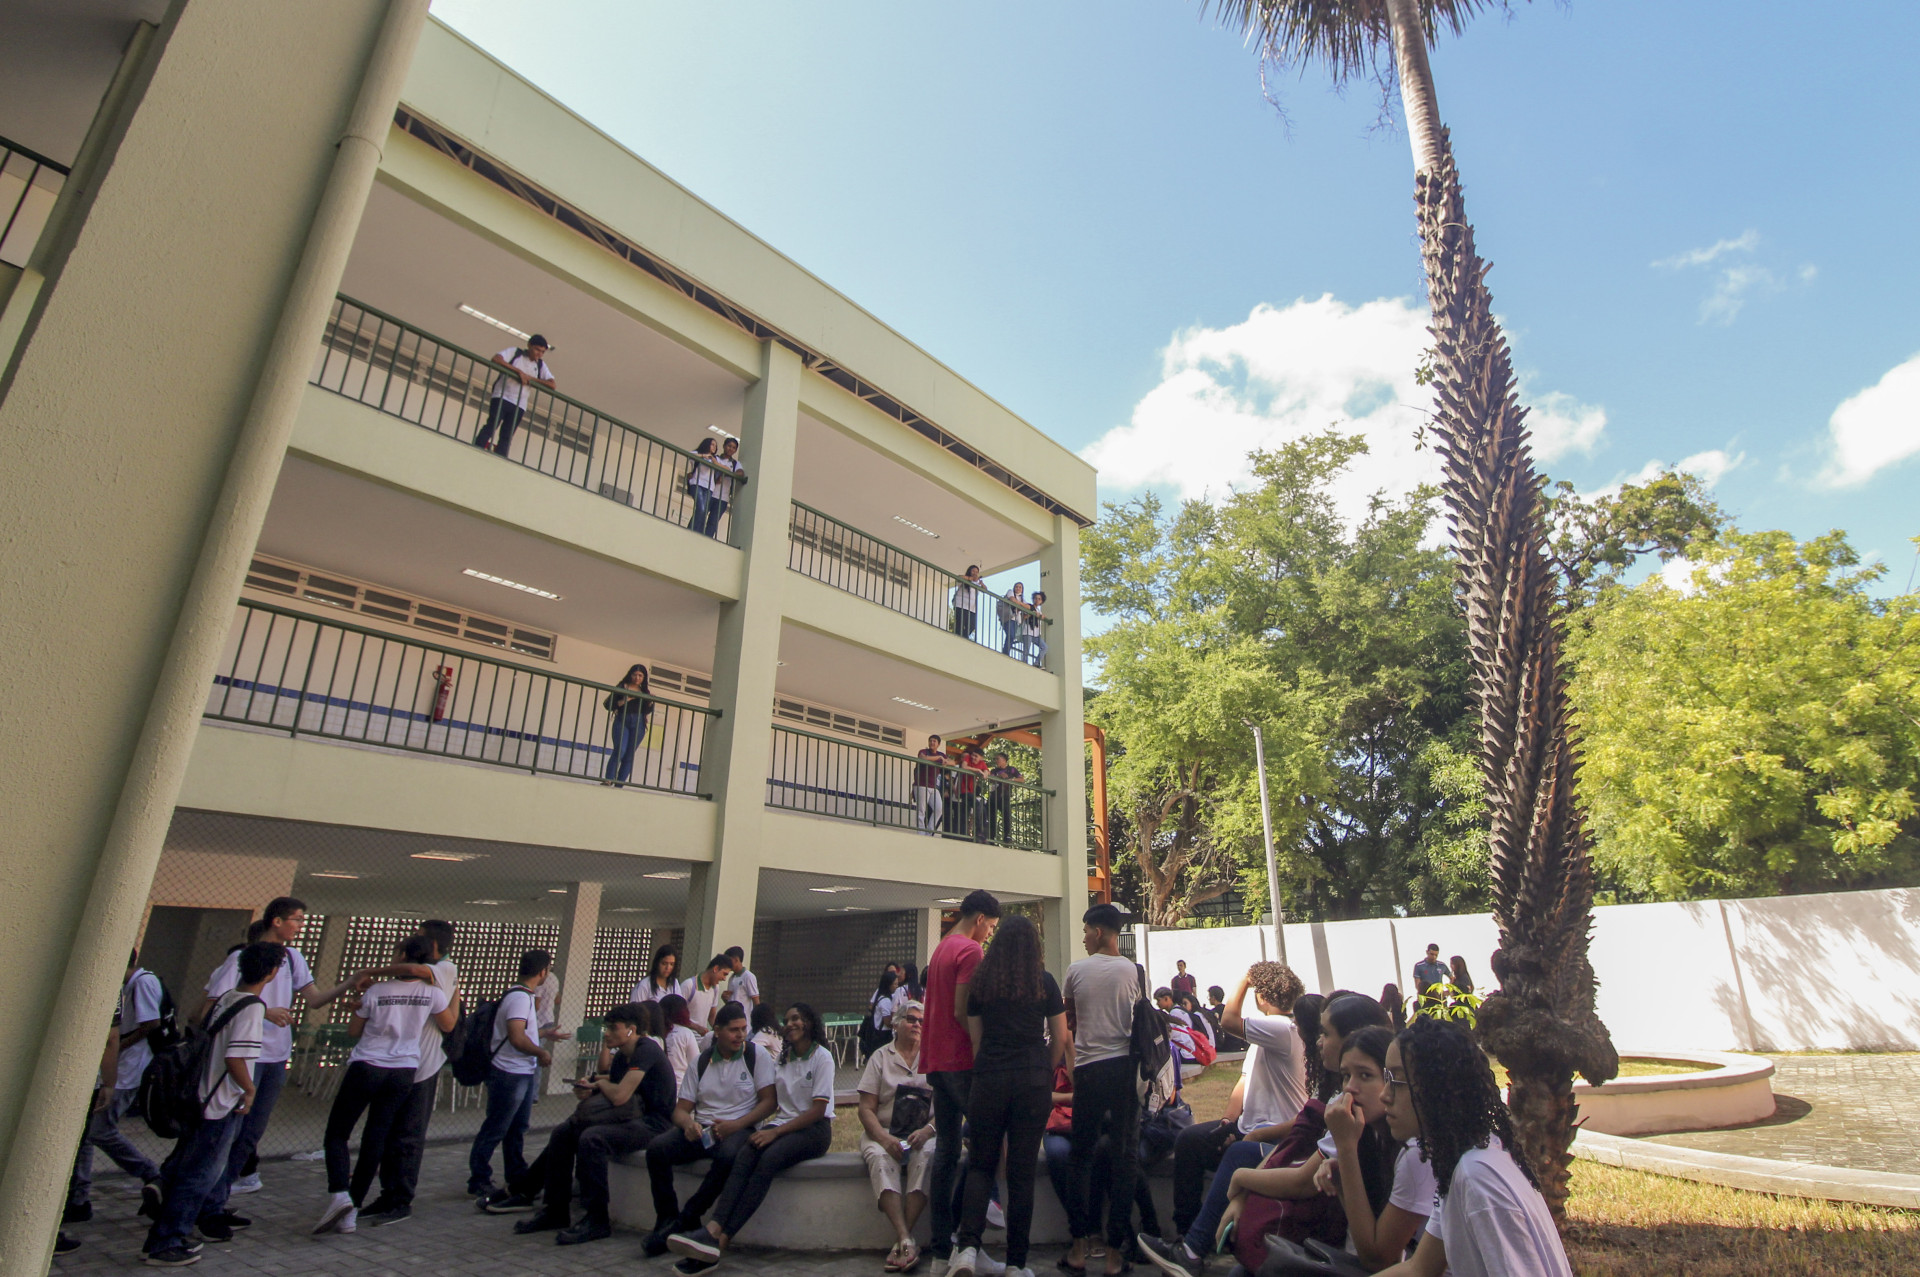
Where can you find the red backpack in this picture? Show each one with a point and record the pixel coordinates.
(1295, 1219)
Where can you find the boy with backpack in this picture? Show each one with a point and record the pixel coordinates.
(146, 1016)
(513, 1076)
(219, 1092)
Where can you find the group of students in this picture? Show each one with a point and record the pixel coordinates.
(1022, 624)
(965, 798)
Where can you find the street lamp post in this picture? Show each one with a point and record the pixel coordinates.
(1266, 824)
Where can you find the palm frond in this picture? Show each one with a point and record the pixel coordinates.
(1350, 38)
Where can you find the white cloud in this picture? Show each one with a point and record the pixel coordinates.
(1876, 428)
(1733, 282)
(1709, 467)
(1722, 305)
(1743, 243)
(1290, 371)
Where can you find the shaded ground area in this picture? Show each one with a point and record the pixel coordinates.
(1833, 1110)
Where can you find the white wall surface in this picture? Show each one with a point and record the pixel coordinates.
(1793, 973)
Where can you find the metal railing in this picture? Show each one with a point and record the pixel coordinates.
(388, 364)
(826, 777)
(310, 676)
(29, 184)
(822, 547)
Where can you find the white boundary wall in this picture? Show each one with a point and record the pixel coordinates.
(1786, 973)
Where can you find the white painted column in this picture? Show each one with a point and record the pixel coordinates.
(722, 896)
(1063, 766)
(573, 963)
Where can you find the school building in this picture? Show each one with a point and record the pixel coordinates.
(275, 625)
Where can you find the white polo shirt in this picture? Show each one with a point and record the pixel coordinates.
(742, 987)
(396, 1012)
(433, 1043)
(508, 1058)
(139, 1002)
(728, 1090)
(798, 1083)
(239, 1040)
(645, 992)
(701, 1004)
(276, 1043)
(1495, 1224)
(509, 388)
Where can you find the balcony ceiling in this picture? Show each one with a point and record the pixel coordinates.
(326, 519)
(416, 264)
(57, 58)
(826, 671)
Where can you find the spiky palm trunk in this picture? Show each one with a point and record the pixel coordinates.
(1541, 1025)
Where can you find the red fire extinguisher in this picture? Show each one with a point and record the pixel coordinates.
(443, 677)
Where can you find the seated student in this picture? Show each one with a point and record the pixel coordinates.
(1164, 999)
(897, 1164)
(766, 1028)
(1490, 1218)
(725, 1093)
(1272, 1089)
(1378, 1232)
(1216, 1008)
(624, 1105)
(682, 1042)
(801, 1130)
(386, 1027)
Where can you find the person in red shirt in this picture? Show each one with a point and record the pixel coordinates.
(971, 785)
(946, 1051)
(1184, 983)
(928, 778)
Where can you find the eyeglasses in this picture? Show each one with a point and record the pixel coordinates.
(1392, 1078)
(913, 1020)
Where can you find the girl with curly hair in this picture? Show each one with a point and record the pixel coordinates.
(1490, 1219)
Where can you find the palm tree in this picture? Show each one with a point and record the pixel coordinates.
(1541, 1024)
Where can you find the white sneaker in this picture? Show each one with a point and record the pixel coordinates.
(339, 1207)
(963, 1263)
(348, 1221)
(247, 1184)
(986, 1265)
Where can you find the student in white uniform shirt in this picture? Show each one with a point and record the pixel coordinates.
(682, 1043)
(800, 1130)
(400, 1168)
(524, 367)
(386, 1027)
(140, 998)
(1489, 1219)
(724, 1095)
(281, 923)
(709, 992)
(742, 986)
(1378, 1232)
(662, 978)
(511, 1083)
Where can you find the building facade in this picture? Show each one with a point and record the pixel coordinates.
(259, 266)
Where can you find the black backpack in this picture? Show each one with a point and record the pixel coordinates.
(1152, 1050)
(166, 1034)
(751, 1056)
(172, 1092)
(469, 1045)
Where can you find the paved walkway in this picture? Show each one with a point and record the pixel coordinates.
(446, 1234)
(1832, 1110)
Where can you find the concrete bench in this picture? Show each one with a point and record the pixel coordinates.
(828, 1204)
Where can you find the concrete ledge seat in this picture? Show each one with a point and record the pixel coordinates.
(828, 1204)
(1734, 1091)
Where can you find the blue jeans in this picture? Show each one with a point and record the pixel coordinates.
(716, 506)
(628, 731)
(104, 1133)
(268, 1079)
(189, 1177)
(509, 1110)
(701, 496)
(1239, 1155)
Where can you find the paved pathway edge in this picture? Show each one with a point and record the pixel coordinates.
(1759, 1174)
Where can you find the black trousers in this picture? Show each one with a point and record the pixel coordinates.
(672, 1149)
(380, 1094)
(400, 1167)
(1196, 1152)
(755, 1168)
(583, 1152)
(504, 417)
(949, 1116)
(1012, 1105)
(1106, 1102)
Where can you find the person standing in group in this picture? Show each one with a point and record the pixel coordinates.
(726, 472)
(523, 367)
(1428, 973)
(1003, 776)
(700, 483)
(709, 992)
(193, 1174)
(660, 981)
(1033, 630)
(897, 1164)
(1182, 982)
(946, 1048)
(724, 1095)
(141, 1000)
(1017, 1024)
(630, 712)
(876, 1029)
(1009, 611)
(400, 1168)
(929, 776)
(284, 919)
(973, 775)
(387, 1027)
(511, 1083)
(966, 603)
(1100, 996)
(743, 986)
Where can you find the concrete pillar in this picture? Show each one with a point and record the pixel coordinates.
(927, 938)
(722, 896)
(573, 963)
(96, 381)
(327, 964)
(1063, 767)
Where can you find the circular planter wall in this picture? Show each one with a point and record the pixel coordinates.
(1734, 1090)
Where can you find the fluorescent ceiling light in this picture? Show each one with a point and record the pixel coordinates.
(950, 900)
(489, 902)
(850, 909)
(916, 527)
(916, 704)
(670, 875)
(501, 324)
(629, 909)
(834, 891)
(511, 585)
(456, 857)
(723, 434)
(330, 874)
(556, 891)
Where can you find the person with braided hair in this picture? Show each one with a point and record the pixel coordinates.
(1489, 1219)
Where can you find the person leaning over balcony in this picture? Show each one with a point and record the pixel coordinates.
(1008, 612)
(1033, 629)
(1004, 775)
(628, 725)
(700, 482)
(973, 779)
(966, 603)
(726, 472)
(897, 1164)
(524, 367)
(928, 775)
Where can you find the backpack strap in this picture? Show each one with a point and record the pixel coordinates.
(214, 1026)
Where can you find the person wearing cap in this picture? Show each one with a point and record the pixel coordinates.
(524, 367)
(1100, 994)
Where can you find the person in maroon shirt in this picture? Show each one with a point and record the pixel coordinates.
(946, 1051)
(927, 778)
(970, 788)
(1184, 983)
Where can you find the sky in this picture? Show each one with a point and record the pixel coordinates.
(1701, 217)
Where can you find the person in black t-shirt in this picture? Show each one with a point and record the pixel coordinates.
(624, 1103)
(1018, 1024)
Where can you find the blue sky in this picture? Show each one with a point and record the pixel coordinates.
(1702, 220)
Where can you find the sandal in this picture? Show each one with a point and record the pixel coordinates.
(893, 1258)
(1079, 1269)
(909, 1256)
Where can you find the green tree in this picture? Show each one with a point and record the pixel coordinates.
(1593, 541)
(1757, 734)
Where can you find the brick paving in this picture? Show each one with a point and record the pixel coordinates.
(1833, 1110)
